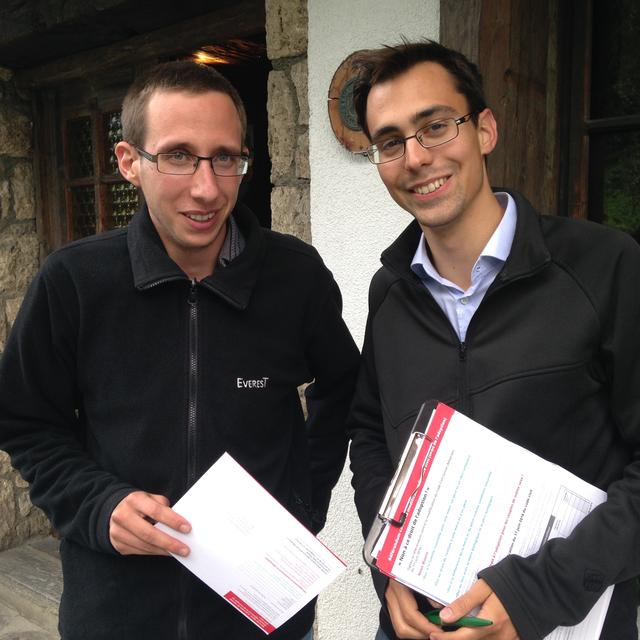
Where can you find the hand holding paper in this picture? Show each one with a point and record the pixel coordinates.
(250, 549)
(131, 528)
(462, 499)
(481, 598)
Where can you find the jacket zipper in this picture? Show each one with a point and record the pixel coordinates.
(462, 345)
(465, 404)
(192, 407)
(462, 351)
(462, 359)
(193, 385)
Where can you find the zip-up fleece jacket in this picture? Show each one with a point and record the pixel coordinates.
(551, 361)
(121, 374)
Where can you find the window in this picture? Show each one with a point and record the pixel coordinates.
(614, 123)
(604, 182)
(97, 198)
(79, 188)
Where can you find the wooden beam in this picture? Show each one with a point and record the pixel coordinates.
(517, 58)
(459, 25)
(577, 155)
(549, 201)
(50, 221)
(242, 19)
(20, 21)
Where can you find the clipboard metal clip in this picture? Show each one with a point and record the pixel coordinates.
(391, 504)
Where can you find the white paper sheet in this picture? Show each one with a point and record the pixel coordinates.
(470, 499)
(250, 549)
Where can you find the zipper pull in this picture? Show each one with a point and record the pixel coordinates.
(192, 291)
(462, 351)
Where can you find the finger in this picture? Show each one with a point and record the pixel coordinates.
(157, 509)
(467, 633)
(152, 538)
(406, 618)
(161, 499)
(468, 601)
(502, 628)
(460, 634)
(131, 531)
(126, 543)
(164, 501)
(137, 535)
(150, 507)
(402, 628)
(491, 609)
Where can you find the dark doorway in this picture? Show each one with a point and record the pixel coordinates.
(248, 71)
(77, 99)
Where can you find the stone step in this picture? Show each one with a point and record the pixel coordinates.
(30, 586)
(13, 626)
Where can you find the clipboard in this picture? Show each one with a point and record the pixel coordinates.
(450, 511)
(396, 503)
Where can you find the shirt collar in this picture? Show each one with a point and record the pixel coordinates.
(498, 247)
(151, 265)
(233, 243)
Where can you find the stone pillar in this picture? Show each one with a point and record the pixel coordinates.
(288, 108)
(19, 261)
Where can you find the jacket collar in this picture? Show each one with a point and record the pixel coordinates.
(528, 254)
(152, 266)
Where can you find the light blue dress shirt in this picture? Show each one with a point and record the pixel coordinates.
(458, 305)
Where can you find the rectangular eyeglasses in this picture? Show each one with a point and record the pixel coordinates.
(180, 163)
(432, 134)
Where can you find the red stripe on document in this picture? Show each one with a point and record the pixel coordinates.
(245, 609)
(392, 545)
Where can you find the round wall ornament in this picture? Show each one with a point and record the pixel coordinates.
(342, 115)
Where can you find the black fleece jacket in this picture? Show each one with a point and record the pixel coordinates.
(121, 374)
(551, 362)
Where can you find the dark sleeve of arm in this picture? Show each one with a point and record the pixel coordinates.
(333, 360)
(558, 585)
(371, 462)
(39, 419)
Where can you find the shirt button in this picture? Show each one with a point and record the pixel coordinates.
(464, 300)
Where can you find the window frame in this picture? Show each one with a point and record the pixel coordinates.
(578, 192)
(102, 179)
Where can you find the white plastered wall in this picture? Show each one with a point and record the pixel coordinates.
(352, 220)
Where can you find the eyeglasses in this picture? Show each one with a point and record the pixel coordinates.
(433, 134)
(179, 163)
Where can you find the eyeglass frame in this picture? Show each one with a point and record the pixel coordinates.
(457, 121)
(153, 157)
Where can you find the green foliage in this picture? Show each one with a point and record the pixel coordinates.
(616, 92)
(622, 186)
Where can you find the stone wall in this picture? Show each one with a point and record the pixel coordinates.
(19, 260)
(288, 109)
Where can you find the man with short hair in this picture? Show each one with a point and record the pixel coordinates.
(143, 354)
(528, 324)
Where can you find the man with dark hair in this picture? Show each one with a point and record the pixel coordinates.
(528, 324)
(141, 355)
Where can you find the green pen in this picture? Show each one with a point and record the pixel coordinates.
(465, 621)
